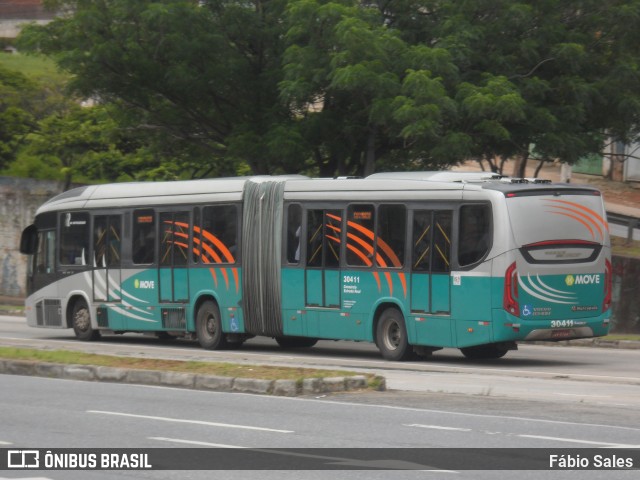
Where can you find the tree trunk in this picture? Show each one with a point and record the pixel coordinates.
(538, 168)
(520, 168)
(370, 156)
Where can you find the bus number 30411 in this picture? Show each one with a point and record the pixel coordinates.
(561, 323)
(351, 279)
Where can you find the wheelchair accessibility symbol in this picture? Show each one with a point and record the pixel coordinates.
(234, 324)
(526, 310)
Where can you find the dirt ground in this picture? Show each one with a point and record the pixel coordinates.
(620, 193)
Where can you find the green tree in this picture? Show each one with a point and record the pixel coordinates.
(572, 68)
(16, 119)
(199, 79)
(206, 88)
(364, 96)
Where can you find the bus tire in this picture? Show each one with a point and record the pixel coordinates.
(209, 327)
(484, 352)
(391, 336)
(81, 322)
(296, 342)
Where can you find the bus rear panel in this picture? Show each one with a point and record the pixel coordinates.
(556, 282)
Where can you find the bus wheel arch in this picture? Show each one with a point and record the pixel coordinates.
(390, 333)
(79, 318)
(208, 324)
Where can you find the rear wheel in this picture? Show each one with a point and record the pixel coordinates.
(485, 352)
(209, 327)
(81, 322)
(391, 336)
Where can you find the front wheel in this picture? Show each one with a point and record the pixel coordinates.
(81, 322)
(391, 336)
(209, 327)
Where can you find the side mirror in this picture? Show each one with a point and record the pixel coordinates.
(29, 240)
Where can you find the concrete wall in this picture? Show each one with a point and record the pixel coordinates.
(626, 295)
(19, 199)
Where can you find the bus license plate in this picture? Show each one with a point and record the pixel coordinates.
(561, 333)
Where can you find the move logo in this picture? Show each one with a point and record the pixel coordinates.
(148, 284)
(584, 279)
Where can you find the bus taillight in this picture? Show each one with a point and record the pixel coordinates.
(608, 282)
(510, 298)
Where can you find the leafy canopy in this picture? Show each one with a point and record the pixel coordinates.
(214, 87)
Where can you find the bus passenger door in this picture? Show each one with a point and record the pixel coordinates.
(173, 272)
(430, 275)
(322, 273)
(107, 242)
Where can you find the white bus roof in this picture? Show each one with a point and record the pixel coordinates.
(147, 193)
(387, 186)
(438, 176)
(140, 194)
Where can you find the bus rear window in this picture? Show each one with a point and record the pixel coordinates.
(541, 218)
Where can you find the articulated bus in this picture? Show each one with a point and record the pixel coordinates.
(414, 262)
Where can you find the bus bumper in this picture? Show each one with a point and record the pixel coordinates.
(507, 327)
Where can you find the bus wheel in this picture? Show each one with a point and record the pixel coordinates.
(81, 318)
(296, 342)
(391, 336)
(209, 327)
(485, 352)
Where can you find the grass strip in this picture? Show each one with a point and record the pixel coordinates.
(209, 368)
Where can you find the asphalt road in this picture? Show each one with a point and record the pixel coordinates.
(561, 375)
(53, 413)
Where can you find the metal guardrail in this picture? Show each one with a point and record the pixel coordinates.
(625, 220)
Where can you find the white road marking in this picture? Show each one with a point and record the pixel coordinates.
(448, 412)
(194, 442)
(437, 427)
(5, 443)
(582, 395)
(194, 422)
(575, 440)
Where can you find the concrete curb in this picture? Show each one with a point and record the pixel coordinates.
(593, 342)
(282, 387)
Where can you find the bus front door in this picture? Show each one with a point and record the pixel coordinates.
(107, 241)
(173, 273)
(431, 275)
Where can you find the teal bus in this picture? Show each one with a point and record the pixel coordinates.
(414, 262)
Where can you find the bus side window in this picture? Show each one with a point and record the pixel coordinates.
(74, 238)
(45, 256)
(475, 233)
(144, 234)
(360, 236)
(294, 229)
(391, 234)
(219, 234)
